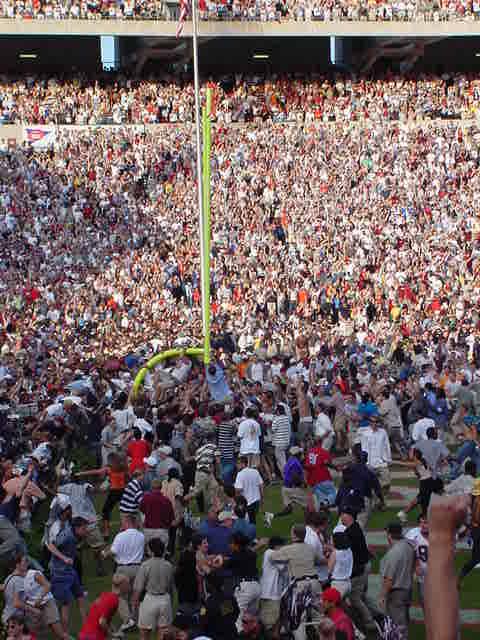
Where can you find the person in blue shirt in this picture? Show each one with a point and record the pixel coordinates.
(241, 524)
(438, 408)
(217, 383)
(348, 495)
(218, 532)
(366, 409)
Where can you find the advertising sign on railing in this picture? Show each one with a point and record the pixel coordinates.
(40, 136)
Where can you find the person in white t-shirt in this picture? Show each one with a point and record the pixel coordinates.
(273, 582)
(324, 429)
(249, 484)
(376, 444)
(419, 536)
(257, 370)
(420, 427)
(249, 432)
(128, 548)
(340, 563)
(316, 524)
(124, 419)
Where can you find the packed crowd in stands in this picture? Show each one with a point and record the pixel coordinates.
(252, 10)
(80, 100)
(345, 332)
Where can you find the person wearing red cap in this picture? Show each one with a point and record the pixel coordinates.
(331, 599)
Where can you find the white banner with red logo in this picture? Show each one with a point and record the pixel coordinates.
(40, 136)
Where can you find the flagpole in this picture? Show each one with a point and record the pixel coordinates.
(204, 260)
(207, 143)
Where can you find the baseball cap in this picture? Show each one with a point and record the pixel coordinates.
(295, 450)
(394, 528)
(332, 595)
(226, 515)
(166, 450)
(151, 461)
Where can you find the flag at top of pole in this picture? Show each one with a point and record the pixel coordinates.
(184, 11)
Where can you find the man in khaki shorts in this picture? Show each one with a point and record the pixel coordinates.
(154, 579)
(158, 512)
(128, 549)
(273, 582)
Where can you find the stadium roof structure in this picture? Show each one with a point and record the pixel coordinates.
(229, 54)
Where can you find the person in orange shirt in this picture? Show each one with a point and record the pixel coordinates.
(302, 297)
(242, 367)
(117, 473)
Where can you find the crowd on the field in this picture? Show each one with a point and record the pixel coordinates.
(79, 100)
(251, 10)
(226, 438)
(345, 308)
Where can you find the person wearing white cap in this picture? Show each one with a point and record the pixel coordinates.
(166, 462)
(62, 542)
(150, 471)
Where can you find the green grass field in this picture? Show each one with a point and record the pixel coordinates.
(281, 526)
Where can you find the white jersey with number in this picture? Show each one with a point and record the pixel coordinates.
(421, 550)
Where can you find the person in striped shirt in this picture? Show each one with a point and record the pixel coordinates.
(132, 495)
(205, 481)
(281, 433)
(226, 443)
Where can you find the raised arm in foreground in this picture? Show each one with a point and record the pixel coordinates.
(441, 591)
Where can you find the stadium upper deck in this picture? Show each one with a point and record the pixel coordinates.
(249, 11)
(244, 17)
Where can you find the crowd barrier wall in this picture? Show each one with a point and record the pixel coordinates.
(213, 28)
